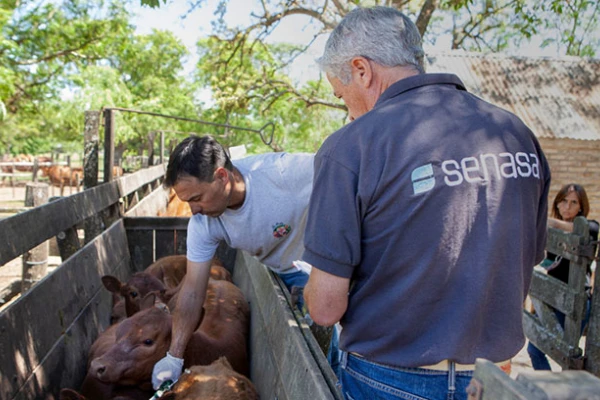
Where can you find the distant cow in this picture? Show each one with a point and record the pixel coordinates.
(217, 381)
(144, 338)
(62, 175)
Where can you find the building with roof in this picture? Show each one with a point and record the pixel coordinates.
(558, 98)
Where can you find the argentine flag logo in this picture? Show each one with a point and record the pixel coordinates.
(423, 179)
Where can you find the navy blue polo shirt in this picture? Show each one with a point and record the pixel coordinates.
(434, 204)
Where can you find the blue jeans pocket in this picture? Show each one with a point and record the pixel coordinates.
(362, 379)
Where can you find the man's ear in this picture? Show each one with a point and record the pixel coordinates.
(362, 71)
(221, 173)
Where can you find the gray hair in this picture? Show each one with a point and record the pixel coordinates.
(381, 34)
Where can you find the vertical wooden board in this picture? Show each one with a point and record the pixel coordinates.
(592, 344)
(227, 255)
(141, 248)
(32, 325)
(181, 241)
(65, 366)
(498, 385)
(274, 329)
(165, 240)
(263, 368)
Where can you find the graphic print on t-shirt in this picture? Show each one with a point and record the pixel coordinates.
(280, 230)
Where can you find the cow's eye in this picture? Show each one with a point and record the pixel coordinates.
(148, 342)
(133, 294)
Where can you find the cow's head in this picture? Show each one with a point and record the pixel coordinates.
(141, 341)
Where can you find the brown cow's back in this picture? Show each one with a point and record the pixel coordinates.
(217, 381)
(171, 270)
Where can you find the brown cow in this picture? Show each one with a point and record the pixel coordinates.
(144, 338)
(62, 175)
(92, 388)
(127, 296)
(217, 381)
(176, 207)
(164, 276)
(171, 270)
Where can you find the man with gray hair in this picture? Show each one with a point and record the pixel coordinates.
(427, 215)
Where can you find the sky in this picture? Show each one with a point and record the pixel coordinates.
(295, 29)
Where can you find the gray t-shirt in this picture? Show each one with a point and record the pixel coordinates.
(270, 223)
(434, 203)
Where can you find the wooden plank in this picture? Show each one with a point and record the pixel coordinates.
(109, 144)
(164, 243)
(91, 139)
(70, 350)
(592, 342)
(151, 204)
(141, 248)
(181, 244)
(276, 338)
(553, 292)
(130, 183)
(564, 385)
(144, 223)
(35, 354)
(142, 243)
(495, 384)
(21, 232)
(552, 343)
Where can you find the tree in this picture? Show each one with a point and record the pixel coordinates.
(248, 77)
(142, 72)
(250, 87)
(60, 59)
(42, 43)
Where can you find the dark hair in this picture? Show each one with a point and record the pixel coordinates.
(196, 156)
(581, 195)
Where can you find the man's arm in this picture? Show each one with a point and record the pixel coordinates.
(186, 318)
(189, 303)
(326, 297)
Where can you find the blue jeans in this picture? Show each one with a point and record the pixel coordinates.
(362, 379)
(539, 361)
(300, 279)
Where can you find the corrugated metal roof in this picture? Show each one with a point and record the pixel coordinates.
(555, 97)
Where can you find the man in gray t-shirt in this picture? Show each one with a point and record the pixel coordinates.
(427, 215)
(257, 204)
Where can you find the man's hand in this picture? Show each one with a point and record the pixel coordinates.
(169, 368)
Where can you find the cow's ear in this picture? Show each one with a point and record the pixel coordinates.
(112, 283)
(170, 395)
(148, 301)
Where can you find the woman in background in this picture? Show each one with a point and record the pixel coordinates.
(571, 201)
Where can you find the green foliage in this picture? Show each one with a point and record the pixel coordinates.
(62, 58)
(249, 88)
(152, 3)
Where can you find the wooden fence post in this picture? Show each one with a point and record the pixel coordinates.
(68, 240)
(109, 144)
(161, 158)
(93, 225)
(35, 261)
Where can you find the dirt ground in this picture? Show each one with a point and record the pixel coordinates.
(15, 197)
